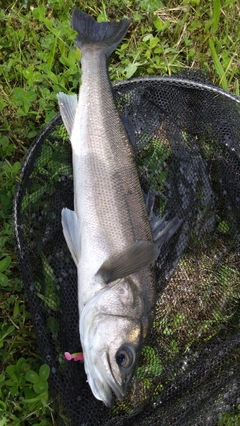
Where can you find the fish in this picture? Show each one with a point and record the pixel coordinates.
(108, 233)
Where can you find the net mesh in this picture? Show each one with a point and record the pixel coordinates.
(187, 148)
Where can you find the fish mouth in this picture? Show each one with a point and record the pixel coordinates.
(103, 383)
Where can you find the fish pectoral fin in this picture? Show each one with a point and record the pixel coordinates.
(68, 106)
(132, 259)
(72, 232)
(163, 230)
(129, 127)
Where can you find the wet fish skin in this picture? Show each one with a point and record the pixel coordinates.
(108, 233)
(116, 319)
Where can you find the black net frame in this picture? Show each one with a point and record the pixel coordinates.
(187, 147)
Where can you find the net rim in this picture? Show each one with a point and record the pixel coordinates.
(47, 129)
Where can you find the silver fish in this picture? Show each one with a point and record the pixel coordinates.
(108, 233)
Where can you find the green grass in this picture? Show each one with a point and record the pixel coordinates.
(40, 59)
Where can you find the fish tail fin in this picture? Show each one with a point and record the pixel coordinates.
(104, 35)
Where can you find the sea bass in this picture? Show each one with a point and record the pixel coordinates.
(108, 233)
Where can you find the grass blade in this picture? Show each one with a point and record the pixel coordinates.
(216, 15)
(52, 53)
(218, 65)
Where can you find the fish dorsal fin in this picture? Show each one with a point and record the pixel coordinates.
(72, 232)
(68, 106)
(132, 259)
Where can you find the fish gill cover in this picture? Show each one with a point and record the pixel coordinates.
(187, 148)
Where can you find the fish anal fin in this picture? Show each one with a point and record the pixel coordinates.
(72, 233)
(131, 260)
(68, 106)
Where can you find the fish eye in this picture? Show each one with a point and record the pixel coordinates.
(125, 357)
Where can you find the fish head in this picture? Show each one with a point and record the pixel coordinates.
(112, 329)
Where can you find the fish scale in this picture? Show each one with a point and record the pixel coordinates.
(113, 204)
(108, 233)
